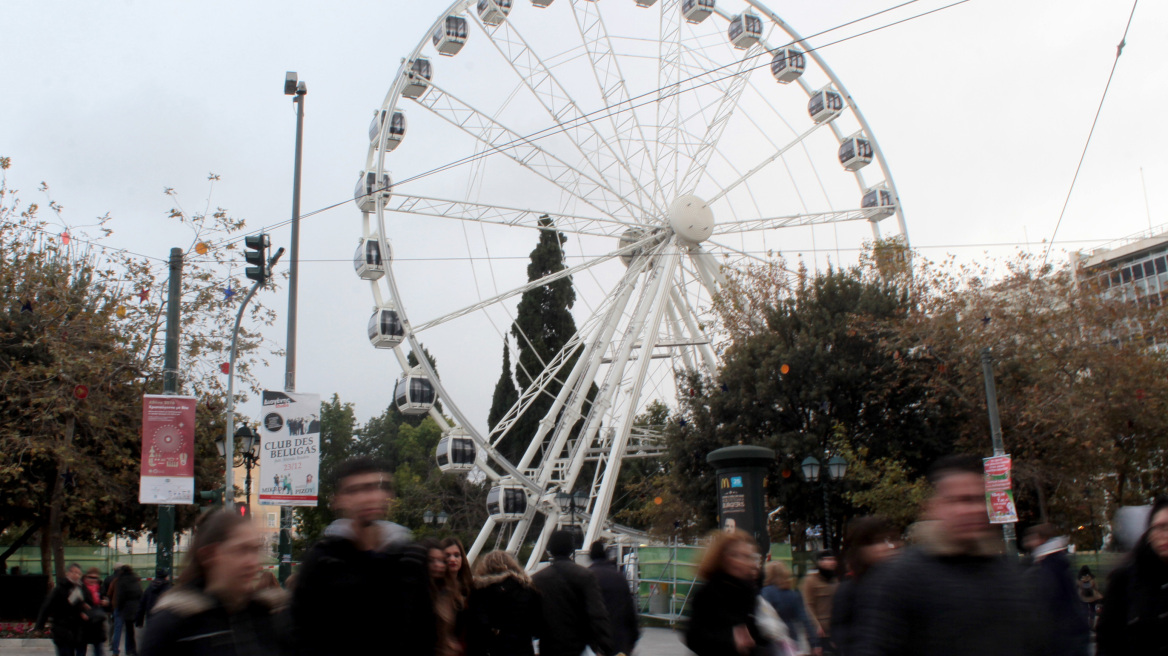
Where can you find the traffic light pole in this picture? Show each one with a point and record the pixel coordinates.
(164, 558)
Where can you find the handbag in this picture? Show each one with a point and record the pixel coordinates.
(773, 628)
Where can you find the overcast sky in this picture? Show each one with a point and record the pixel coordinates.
(981, 109)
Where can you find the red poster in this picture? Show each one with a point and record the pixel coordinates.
(168, 449)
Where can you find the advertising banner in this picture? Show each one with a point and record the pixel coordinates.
(290, 449)
(999, 492)
(168, 450)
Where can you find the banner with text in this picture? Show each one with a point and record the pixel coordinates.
(168, 450)
(999, 490)
(290, 449)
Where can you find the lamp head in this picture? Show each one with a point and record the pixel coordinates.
(290, 83)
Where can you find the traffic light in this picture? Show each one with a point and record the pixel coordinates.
(214, 496)
(244, 511)
(256, 254)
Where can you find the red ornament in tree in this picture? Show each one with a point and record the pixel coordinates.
(81, 391)
(143, 295)
(225, 367)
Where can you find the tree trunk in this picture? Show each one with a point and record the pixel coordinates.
(17, 544)
(1041, 501)
(57, 502)
(46, 554)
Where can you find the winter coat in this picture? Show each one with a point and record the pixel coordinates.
(127, 593)
(149, 599)
(64, 606)
(845, 614)
(503, 617)
(573, 611)
(1134, 619)
(190, 622)
(818, 592)
(619, 602)
(351, 601)
(1053, 582)
(938, 599)
(789, 605)
(718, 606)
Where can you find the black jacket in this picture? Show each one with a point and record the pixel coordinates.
(149, 599)
(64, 606)
(1135, 612)
(845, 615)
(718, 606)
(190, 622)
(1056, 588)
(127, 594)
(573, 611)
(503, 617)
(348, 601)
(618, 601)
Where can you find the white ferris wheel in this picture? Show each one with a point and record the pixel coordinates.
(667, 139)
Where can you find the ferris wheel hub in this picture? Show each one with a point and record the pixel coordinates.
(691, 219)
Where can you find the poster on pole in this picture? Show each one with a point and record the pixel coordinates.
(168, 450)
(289, 449)
(999, 490)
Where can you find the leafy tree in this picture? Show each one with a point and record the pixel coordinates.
(338, 424)
(506, 393)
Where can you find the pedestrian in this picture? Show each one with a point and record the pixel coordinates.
(66, 607)
(445, 598)
(573, 610)
(503, 614)
(1051, 578)
(1089, 594)
(779, 591)
(724, 607)
(618, 599)
(1134, 619)
(158, 586)
(215, 609)
(363, 584)
(459, 577)
(869, 542)
(126, 594)
(98, 616)
(951, 593)
(818, 591)
(107, 590)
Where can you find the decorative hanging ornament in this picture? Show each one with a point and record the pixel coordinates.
(225, 367)
(681, 422)
(121, 312)
(27, 307)
(81, 391)
(785, 369)
(65, 238)
(201, 248)
(228, 293)
(143, 295)
(658, 501)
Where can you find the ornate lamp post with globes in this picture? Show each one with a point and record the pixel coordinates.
(837, 468)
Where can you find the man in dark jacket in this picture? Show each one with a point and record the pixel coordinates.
(363, 587)
(159, 585)
(66, 606)
(127, 592)
(618, 600)
(952, 594)
(1054, 584)
(573, 610)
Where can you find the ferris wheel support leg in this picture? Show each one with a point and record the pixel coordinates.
(695, 333)
(519, 534)
(541, 542)
(678, 334)
(481, 540)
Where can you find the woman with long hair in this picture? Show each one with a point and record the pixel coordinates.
(446, 597)
(779, 591)
(459, 577)
(1134, 619)
(216, 610)
(504, 615)
(868, 542)
(723, 619)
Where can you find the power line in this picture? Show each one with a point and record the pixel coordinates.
(1094, 122)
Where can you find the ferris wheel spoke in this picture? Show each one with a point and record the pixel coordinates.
(501, 139)
(763, 164)
(754, 225)
(505, 216)
(667, 161)
(680, 302)
(535, 284)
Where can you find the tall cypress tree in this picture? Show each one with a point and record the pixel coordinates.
(505, 392)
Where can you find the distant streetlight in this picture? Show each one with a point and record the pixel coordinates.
(247, 458)
(572, 504)
(439, 519)
(837, 468)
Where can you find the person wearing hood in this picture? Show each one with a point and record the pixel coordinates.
(951, 593)
(159, 585)
(573, 611)
(66, 607)
(618, 599)
(504, 615)
(125, 595)
(1134, 619)
(1053, 582)
(364, 584)
(818, 592)
(723, 622)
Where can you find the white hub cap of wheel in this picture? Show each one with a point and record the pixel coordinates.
(692, 219)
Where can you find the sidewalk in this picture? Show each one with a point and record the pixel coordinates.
(660, 642)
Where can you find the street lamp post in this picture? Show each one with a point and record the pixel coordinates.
(432, 519)
(837, 468)
(247, 458)
(572, 504)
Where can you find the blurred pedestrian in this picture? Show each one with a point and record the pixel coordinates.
(952, 593)
(97, 618)
(459, 577)
(723, 622)
(445, 597)
(363, 584)
(869, 541)
(158, 586)
(779, 591)
(818, 591)
(1089, 594)
(618, 600)
(504, 615)
(215, 609)
(267, 581)
(1134, 619)
(1053, 583)
(573, 610)
(125, 597)
(107, 591)
(66, 608)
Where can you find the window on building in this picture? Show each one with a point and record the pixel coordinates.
(1161, 265)
(1126, 273)
(271, 520)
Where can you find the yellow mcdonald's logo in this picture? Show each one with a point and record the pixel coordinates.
(725, 483)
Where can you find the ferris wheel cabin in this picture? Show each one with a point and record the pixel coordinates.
(494, 12)
(825, 105)
(418, 76)
(855, 152)
(397, 128)
(541, 4)
(696, 11)
(507, 501)
(450, 37)
(788, 64)
(646, 3)
(414, 393)
(385, 329)
(745, 30)
(880, 199)
(456, 451)
(370, 189)
(367, 260)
